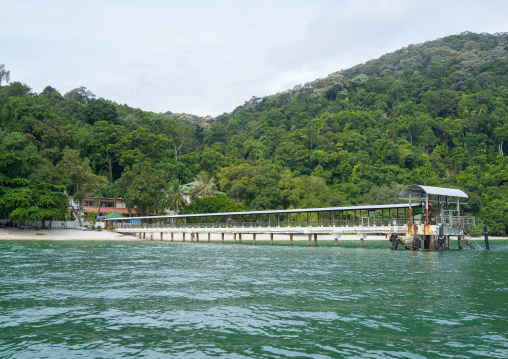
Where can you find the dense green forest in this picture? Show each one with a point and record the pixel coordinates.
(433, 114)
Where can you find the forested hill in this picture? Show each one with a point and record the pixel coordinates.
(433, 113)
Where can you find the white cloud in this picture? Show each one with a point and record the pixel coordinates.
(207, 57)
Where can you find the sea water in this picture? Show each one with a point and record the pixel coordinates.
(72, 299)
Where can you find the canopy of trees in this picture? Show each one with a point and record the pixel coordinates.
(432, 114)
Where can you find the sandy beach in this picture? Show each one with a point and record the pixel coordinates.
(76, 234)
(62, 234)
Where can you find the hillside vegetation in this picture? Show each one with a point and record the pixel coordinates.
(433, 114)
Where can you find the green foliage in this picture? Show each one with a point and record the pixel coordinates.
(203, 186)
(23, 200)
(75, 172)
(143, 189)
(175, 195)
(434, 113)
(217, 204)
(93, 216)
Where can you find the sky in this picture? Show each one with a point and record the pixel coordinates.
(207, 57)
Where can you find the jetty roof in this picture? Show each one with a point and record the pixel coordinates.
(417, 191)
(301, 210)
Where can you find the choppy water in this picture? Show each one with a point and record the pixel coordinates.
(171, 300)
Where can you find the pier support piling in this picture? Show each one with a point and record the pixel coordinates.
(291, 239)
(254, 239)
(209, 237)
(315, 240)
(222, 238)
(240, 238)
(486, 234)
(428, 242)
(271, 239)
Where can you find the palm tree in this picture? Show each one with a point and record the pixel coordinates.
(175, 194)
(203, 186)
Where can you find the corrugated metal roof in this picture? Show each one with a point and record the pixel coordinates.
(418, 191)
(302, 210)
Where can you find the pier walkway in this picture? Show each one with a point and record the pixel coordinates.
(413, 224)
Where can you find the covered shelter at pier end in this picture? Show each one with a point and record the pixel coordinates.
(439, 198)
(441, 216)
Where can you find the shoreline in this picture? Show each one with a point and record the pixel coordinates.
(62, 235)
(76, 234)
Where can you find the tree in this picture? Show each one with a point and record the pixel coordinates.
(24, 200)
(175, 195)
(203, 186)
(140, 145)
(218, 204)
(106, 145)
(99, 110)
(76, 172)
(5, 76)
(18, 156)
(93, 216)
(383, 194)
(80, 94)
(178, 133)
(143, 188)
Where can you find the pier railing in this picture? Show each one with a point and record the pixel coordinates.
(465, 221)
(361, 222)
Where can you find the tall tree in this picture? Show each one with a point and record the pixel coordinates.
(175, 195)
(143, 188)
(76, 171)
(106, 146)
(80, 94)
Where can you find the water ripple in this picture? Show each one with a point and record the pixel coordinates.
(164, 300)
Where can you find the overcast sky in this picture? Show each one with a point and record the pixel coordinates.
(208, 57)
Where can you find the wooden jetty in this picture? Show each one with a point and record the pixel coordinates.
(428, 219)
